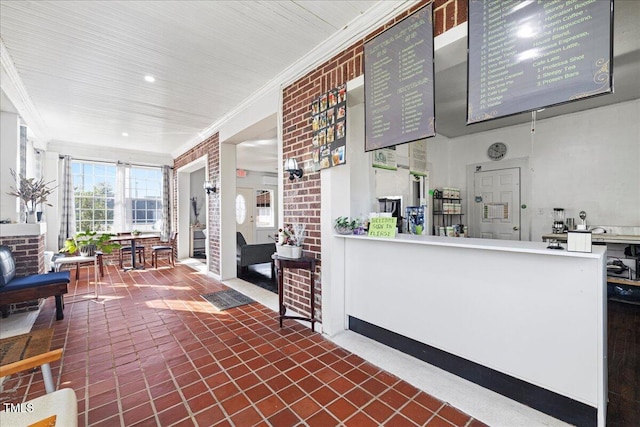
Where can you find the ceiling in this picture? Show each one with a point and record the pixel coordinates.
(82, 65)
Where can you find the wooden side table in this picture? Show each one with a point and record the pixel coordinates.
(304, 263)
(59, 262)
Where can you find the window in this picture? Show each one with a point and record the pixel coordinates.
(264, 208)
(117, 198)
(145, 190)
(94, 185)
(241, 209)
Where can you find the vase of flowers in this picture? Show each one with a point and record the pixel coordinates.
(31, 192)
(290, 240)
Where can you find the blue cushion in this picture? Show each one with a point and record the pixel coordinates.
(7, 266)
(36, 280)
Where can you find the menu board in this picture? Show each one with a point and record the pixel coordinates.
(329, 125)
(398, 83)
(527, 55)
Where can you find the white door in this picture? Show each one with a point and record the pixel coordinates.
(496, 204)
(245, 213)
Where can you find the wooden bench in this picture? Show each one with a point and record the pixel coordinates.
(15, 290)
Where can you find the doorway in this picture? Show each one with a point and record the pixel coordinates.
(189, 183)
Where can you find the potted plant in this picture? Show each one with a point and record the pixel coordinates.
(290, 240)
(135, 233)
(345, 225)
(32, 192)
(88, 242)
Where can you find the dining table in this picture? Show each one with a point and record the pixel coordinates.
(132, 238)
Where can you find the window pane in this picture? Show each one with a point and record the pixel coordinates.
(145, 190)
(241, 209)
(265, 214)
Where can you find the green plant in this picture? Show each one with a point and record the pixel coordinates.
(90, 239)
(346, 225)
(345, 222)
(31, 191)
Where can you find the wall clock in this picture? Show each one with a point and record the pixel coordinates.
(497, 150)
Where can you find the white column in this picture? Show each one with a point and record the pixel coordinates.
(10, 143)
(227, 195)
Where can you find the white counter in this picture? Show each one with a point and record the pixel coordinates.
(534, 314)
(23, 229)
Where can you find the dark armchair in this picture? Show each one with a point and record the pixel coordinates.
(253, 254)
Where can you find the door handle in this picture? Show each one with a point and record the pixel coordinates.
(516, 228)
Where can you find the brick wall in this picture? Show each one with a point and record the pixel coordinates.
(302, 197)
(28, 252)
(210, 147)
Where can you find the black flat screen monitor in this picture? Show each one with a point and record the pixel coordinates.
(398, 83)
(528, 55)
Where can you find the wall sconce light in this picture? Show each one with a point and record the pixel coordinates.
(209, 187)
(291, 166)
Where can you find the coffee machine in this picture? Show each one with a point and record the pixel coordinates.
(558, 220)
(393, 205)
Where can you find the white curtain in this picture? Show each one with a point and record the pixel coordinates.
(67, 209)
(166, 202)
(122, 216)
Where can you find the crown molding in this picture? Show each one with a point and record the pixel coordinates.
(376, 16)
(14, 89)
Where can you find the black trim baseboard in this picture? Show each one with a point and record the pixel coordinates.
(554, 404)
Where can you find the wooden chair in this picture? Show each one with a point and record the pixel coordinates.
(126, 250)
(169, 249)
(41, 360)
(54, 408)
(59, 408)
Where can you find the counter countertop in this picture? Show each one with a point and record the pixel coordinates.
(484, 244)
(597, 237)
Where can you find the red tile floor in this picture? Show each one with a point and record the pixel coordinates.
(152, 352)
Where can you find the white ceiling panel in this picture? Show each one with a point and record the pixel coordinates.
(82, 63)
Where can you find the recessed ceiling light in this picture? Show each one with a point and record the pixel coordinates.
(149, 79)
(125, 134)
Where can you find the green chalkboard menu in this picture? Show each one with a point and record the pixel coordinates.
(398, 83)
(528, 55)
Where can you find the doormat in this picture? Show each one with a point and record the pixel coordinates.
(20, 347)
(229, 298)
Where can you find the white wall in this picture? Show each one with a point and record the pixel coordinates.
(582, 161)
(91, 152)
(10, 143)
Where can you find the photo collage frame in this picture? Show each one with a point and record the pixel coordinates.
(329, 124)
